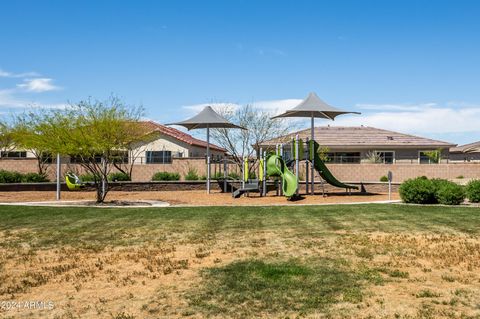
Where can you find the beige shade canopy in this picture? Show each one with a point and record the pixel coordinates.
(313, 106)
(208, 119)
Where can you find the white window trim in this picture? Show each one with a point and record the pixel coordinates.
(389, 151)
(429, 161)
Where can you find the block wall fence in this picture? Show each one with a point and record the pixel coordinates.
(343, 172)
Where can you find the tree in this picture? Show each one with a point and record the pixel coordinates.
(133, 151)
(434, 156)
(26, 137)
(6, 138)
(259, 128)
(92, 132)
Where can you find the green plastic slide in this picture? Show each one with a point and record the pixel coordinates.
(276, 167)
(325, 172)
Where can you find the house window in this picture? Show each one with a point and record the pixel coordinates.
(343, 157)
(162, 157)
(14, 154)
(177, 154)
(47, 158)
(76, 159)
(386, 157)
(120, 157)
(428, 157)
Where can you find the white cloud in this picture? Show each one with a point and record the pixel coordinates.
(395, 107)
(193, 109)
(38, 85)
(420, 119)
(274, 106)
(8, 100)
(458, 120)
(5, 74)
(277, 106)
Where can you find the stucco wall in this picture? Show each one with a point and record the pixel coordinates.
(167, 143)
(373, 172)
(345, 172)
(140, 172)
(161, 143)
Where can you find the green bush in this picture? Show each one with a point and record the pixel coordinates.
(88, 178)
(16, 177)
(10, 177)
(418, 191)
(34, 178)
(473, 191)
(422, 190)
(191, 175)
(234, 175)
(439, 183)
(165, 176)
(118, 177)
(449, 193)
(384, 179)
(218, 175)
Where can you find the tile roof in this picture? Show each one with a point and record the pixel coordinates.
(467, 148)
(361, 137)
(151, 127)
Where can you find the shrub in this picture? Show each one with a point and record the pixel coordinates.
(438, 183)
(218, 175)
(449, 193)
(384, 179)
(10, 177)
(460, 177)
(118, 177)
(473, 191)
(191, 175)
(234, 175)
(165, 176)
(34, 178)
(16, 177)
(418, 191)
(88, 178)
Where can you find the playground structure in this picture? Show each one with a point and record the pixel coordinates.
(280, 171)
(73, 182)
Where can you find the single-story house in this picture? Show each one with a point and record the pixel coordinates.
(363, 144)
(161, 144)
(466, 153)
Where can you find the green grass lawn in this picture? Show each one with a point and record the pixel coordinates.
(96, 227)
(338, 261)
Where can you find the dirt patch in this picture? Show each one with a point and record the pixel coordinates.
(196, 197)
(422, 275)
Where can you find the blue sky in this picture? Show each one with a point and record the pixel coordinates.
(411, 66)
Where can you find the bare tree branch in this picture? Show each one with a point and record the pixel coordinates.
(244, 143)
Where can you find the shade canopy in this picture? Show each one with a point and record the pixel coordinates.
(313, 106)
(207, 118)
